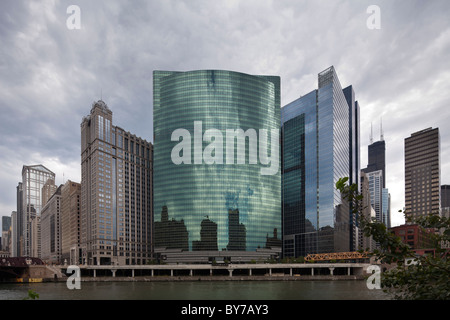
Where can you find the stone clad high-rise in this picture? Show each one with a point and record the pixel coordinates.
(70, 222)
(116, 195)
(422, 173)
(214, 196)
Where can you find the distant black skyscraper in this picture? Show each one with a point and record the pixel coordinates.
(377, 159)
(376, 173)
(445, 196)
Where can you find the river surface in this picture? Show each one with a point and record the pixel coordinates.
(198, 290)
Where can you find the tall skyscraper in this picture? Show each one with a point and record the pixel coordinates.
(376, 170)
(51, 226)
(6, 233)
(422, 173)
(223, 193)
(445, 196)
(48, 190)
(33, 179)
(18, 228)
(320, 142)
(366, 243)
(377, 159)
(13, 247)
(70, 222)
(376, 192)
(116, 192)
(354, 135)
(386, 207)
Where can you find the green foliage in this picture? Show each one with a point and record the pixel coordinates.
(32, 295)
(293, 260)
(424, 277)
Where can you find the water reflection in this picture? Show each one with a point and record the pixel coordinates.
(198, 290)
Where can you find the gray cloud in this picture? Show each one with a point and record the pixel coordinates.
(50, 75)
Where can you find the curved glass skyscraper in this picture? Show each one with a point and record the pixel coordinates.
(217, 184)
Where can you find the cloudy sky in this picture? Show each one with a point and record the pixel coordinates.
(50, 74)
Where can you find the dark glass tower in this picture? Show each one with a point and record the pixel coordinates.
(206, 196)
(377, 159)
(320, 139)
(445, 196)
(376, 171)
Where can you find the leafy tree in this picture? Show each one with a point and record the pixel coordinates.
(32, 295)
(414, 277)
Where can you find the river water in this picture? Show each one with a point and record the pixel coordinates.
(198, 290)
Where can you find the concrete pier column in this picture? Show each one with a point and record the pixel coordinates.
(331, 270)
(95, 273)
(290, 272)
(270, 271)
(171, 272)
(348, 271)
(312, 271)
(132, 273)
(191, 272)
(211, 272)
(114, 273)
(153, 272)
(250, 271)
(230, 272)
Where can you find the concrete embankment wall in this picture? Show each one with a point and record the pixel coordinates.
(266, 272)
(211, 278)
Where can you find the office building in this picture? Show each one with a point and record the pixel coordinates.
(445, 196)
(13, 244)
(320, 143)
(6, 233)
(386, 207)
(376, 169)
(366, 243)
(34, 178)
(116, 192)
(376, 192)
(422, 173)
(377, 159)
(220, 198)
(51, 227)
(70, 223)
(48, 190)
(17, 236)
(415, 236)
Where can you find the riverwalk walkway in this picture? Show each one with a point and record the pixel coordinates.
(261, 271)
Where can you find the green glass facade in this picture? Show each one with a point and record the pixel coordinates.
(210, 200)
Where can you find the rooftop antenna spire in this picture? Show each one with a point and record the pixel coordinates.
(371, 133)
(381, 129)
